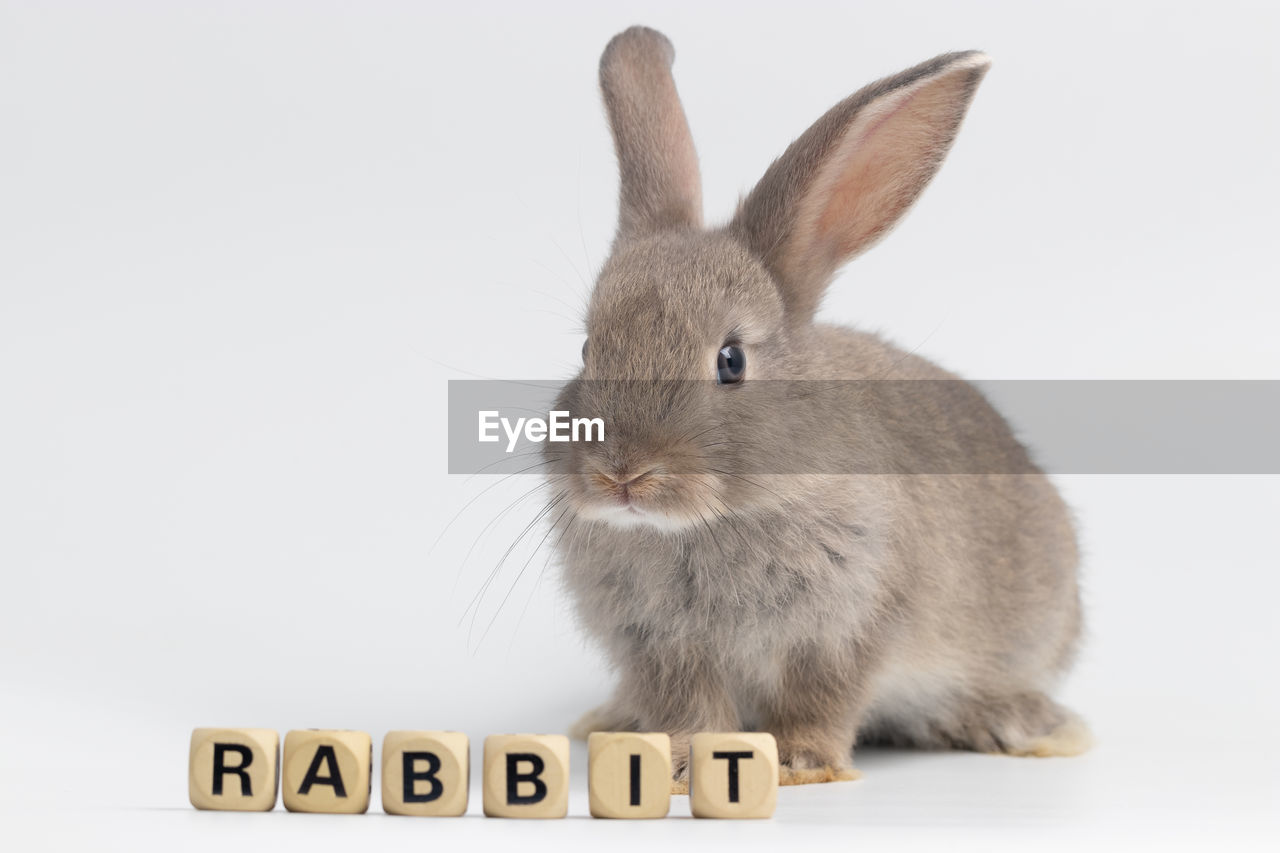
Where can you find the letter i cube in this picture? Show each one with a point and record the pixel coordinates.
(425, 773)
(526, 776)
(629, 774)
(234, 769)
(327, 771)
(733, 774)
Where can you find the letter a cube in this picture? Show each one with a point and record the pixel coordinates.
(733, 774)
(234, 769)
(425, 773)
(327, 771)
(629, 774)
(526, 776)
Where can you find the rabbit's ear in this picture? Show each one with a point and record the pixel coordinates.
(660, 184)
(852, 175)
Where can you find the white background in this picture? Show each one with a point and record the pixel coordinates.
(243, 245)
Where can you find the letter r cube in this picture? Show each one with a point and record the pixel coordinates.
(234, 769)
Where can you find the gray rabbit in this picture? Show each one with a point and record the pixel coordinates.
(862, 561)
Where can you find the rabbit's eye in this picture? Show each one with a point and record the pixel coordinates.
(731, 364)
(584, 349)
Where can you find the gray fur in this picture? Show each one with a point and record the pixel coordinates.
(660, 186)
(907, 608)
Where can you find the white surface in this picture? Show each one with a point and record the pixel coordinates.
(242, 247)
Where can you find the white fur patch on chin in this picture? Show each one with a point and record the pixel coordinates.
(625, 518)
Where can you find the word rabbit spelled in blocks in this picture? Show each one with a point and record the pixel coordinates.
(427, 773)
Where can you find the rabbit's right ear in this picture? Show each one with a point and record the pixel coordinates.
(849, 178)
(660, 184)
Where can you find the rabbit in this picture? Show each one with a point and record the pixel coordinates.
(715, 543)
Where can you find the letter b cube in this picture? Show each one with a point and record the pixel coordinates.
(425, 773)
(526, 776)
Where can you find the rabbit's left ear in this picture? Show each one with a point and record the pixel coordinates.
(852, 175)
(660, 184)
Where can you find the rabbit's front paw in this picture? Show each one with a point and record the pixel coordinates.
(606, 718)
(679, 764)
(802, 762)
(789, 775)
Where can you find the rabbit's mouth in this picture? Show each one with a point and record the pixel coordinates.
(652, 496)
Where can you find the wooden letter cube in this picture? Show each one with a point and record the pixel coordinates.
(327, 771)
(526, 776)
(234, 769)
(733, 774)
(425, 773)
(629, 774)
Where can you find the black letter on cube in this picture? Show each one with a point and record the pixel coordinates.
(429, 775)
(733, 758)
(635, 780)
(514, 778)
(324, 754)
(221, 769)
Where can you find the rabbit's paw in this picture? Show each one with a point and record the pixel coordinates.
(1024, 723)
(1070, 737)
(680, 764)
(813, 775)
(606, 718)
(805, 765)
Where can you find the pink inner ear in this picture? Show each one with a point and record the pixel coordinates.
(886, 157)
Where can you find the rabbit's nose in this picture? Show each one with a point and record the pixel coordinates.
(624, 478)
(623, 481)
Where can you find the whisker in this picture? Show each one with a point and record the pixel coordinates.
(746, 545)
(498, 611)
(541, 573)
(475, 498)
(478, 598)
(467, 557)
(532, 594)
(749, 481)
